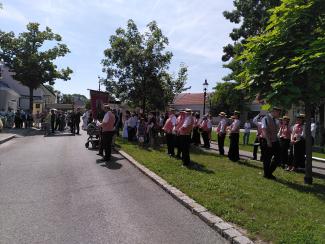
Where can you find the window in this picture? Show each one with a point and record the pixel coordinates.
(37, 105)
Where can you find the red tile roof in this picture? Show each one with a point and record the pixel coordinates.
(189, 99)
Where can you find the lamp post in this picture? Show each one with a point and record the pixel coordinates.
(205, 85)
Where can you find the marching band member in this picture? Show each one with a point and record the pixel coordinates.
(298, 142)
(270, 142)
(168, 128)
(221, 131)
(196, 126)
(185, 137)
(179, 122)
(205, 131)
(285, 137)
(234, 128)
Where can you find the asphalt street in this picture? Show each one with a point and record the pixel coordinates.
(54, 190)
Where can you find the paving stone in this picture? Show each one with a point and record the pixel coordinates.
(222, 226)
(210, 218)
(231, 233)
(242, 240)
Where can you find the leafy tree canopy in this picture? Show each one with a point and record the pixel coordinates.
(136, 66)
(286, 63)
(227, 98)
(252, 15)
(31, 61)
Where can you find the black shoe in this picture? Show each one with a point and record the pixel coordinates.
(272, 177)
(100, 154)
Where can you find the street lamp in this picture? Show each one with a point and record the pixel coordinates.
(205, 85)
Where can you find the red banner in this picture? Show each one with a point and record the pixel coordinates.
(97, 99)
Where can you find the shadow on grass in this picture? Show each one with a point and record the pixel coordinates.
(199, 167)
(247, 163)
(316, 189)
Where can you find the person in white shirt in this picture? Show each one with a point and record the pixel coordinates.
(247, 128)
(313, 128)
(270, 143)
(221, 131)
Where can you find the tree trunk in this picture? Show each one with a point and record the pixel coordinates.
(31, 99)
(308, 164)
(144, 105)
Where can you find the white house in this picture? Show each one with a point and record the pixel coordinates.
(17, 95)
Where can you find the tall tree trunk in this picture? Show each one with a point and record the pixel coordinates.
(31, 99)
(144, 100)
(308, 164)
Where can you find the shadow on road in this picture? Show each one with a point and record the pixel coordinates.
(111, 164)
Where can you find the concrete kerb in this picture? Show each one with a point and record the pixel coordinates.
(7, 139)
(227, 230)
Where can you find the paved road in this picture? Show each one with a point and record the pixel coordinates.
(53, 190)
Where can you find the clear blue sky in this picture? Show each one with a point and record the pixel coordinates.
(196, 29)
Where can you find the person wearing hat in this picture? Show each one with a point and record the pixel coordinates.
(270, 142)
(285, 137)
(196, 126)
(185, 136)
(108, 131)
(298, 142)
(221, 131)
(204, 129)
(168, 128)
(233, 153)
(177, 139)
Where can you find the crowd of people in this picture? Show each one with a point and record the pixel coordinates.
(19, 119)
(280, 144)
(50, 120)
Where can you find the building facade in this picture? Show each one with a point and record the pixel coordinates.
(15, 96)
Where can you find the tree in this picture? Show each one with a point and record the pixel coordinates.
(253, 16)
(67, 99)
(227, 98)
(33, 63)
(286, 63)
(136, 67)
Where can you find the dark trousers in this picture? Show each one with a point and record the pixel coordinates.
(101, 148)
(233, 153)
(221, 143)
(178, 145)
(131, 133)
(196, 136)
(185, 141)
(299, 152)
(284, 144)
(52, 125)
(107, 143)
(205, 136)
(77, 127)
(170, 143)
(271, 157)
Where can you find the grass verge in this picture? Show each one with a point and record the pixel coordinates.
(282, 211)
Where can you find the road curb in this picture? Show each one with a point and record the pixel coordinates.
(7, 139)
(227, 230)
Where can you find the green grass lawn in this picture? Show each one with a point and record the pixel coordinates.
(249, 147)
(282, 211)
